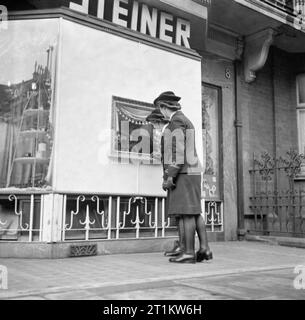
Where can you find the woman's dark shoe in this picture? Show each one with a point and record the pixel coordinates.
(176, 251)
(203, 255)
(184, 258)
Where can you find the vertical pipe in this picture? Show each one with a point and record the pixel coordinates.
(256, 195)
(118, 217)
(31, 219)
(275, 151)
(109, 217)
(239, 153)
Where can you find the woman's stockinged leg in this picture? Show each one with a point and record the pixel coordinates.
(189, 233)
(181, 233)
(188, 256)
(178, 245)
(202, 234)
(204, 252)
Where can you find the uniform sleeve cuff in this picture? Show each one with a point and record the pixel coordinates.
(173, 171)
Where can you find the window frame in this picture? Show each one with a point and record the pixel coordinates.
(118, 154)
(300, 107)
(220, 181)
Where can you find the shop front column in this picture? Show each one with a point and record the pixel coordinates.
(52, 217)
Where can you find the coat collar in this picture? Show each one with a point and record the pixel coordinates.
(178, 112)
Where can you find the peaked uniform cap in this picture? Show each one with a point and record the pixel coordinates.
(167, 96)
(155, 116)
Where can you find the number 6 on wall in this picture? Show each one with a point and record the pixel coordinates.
(3, 18)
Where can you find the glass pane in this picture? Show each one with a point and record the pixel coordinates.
(27, 75)
(210, 131)
(132, 133)
(301, 114)
(301, 89)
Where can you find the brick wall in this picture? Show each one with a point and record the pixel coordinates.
(285, 101)
(257, 117)
(269, 111)
(268, 116)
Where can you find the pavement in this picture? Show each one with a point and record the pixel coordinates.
(239, 271)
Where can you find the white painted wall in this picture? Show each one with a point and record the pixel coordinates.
(94, 66)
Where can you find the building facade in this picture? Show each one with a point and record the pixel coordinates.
(77, 80)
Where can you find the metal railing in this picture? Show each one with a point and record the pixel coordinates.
(24, 217)
(277, 203)
(21, 218)
(114, 217)
(293, 7)
(213, 215)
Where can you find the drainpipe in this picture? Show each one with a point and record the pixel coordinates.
(275, 152)
(239, 153)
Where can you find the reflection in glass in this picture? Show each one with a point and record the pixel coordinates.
(210, 138)
(132, 133)
(26, 103)
(301, 89)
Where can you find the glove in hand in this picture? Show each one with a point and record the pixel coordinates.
(168, 184)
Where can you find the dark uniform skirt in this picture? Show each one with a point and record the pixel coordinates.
(186, 197)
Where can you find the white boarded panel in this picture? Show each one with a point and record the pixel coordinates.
(95, 66)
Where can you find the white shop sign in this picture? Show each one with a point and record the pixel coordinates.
(142, 18)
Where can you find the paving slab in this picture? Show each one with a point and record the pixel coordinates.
(239, 270)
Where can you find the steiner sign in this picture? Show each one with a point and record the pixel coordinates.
(140, 17)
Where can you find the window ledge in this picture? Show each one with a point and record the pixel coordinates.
(135, 158)
(30, 190)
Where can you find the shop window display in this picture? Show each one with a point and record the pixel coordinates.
(27, 103)
(210, 138)
(133, 136)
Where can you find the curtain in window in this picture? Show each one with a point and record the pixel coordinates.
(133, 114)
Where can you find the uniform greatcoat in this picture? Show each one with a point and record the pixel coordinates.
(180, 161)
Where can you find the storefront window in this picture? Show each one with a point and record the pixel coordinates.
(301, 90)
(301, 111)
(210, 132)
(27, 76)
(133, 136)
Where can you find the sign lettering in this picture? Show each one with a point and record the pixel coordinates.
(140, 17)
